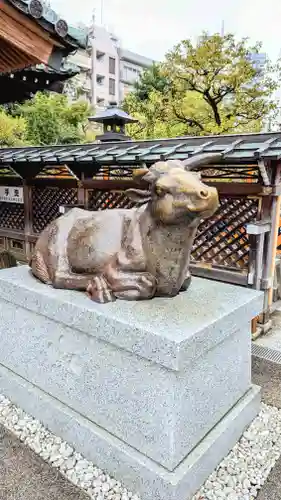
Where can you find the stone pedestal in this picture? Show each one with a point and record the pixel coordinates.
(155, 392)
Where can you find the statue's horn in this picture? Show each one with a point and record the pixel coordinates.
(202, 159)
(139, 173)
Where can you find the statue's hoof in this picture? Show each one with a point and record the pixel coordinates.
(186, 284)
(99, 291)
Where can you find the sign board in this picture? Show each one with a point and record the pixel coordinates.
(11, 194)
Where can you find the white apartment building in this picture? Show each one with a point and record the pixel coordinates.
(105, 67)
(131, 67)
(108, 72)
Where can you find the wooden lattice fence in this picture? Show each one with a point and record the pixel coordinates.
(102, 200)
(46, 202)
(222, 239)
(12, 216)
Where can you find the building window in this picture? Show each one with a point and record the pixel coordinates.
(130, 74)
(111, 86)
(100, 55)
(100, 101)
(112, 66)
(100, 79)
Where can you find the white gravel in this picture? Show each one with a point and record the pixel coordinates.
(239, 476)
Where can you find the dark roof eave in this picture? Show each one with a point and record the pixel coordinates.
(48, 71)
(104, 119)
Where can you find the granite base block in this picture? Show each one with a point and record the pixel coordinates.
(139, 473)
(152, 379)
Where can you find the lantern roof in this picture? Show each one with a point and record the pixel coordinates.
(113, 114)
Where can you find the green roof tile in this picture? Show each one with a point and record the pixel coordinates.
(245, 148)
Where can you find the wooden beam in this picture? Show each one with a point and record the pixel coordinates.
(111, 184)
(224, 188)
(18, 235)
(10, 181)
(27, 170)
(82, 170)
(31, 24)
(219, 274)
(12, 59)
(239, 189)
(53, 182)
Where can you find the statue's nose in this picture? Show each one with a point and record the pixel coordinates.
(204, 193)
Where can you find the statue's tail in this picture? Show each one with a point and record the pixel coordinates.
(39, 268)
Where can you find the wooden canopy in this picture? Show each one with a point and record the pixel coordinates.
(246, 159)
(29, 35)
(235, 150)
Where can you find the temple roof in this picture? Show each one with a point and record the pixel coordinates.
(48, 19)
(32, 33)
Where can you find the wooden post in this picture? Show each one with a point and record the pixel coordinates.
(275, 228)
(81, 198)
(266, 215)
(28, 217)
(257, 231)
(252, 267)
(254, 325)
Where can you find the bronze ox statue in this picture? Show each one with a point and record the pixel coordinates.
(136, 253)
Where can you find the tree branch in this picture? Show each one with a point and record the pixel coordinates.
(250, 118)
(192, 85)
(214, 107)
(189, 121)
(219, 96)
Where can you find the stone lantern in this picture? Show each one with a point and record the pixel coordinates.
(113, 120)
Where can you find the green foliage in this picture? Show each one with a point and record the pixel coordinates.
(154, 118)
(206, 88)
(12, 130)
(73, 88)
(151, 80)
(51, 119)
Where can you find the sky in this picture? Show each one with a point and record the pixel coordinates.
(152, 27)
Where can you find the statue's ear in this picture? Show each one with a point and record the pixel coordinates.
(138, 195)
(197, 174)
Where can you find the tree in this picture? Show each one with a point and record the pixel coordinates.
(151, 80)
(12, 130)
(211, 87)
(73, 88)
(51, 119)
(154, 118)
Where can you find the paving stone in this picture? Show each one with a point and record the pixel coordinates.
(25, 476)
